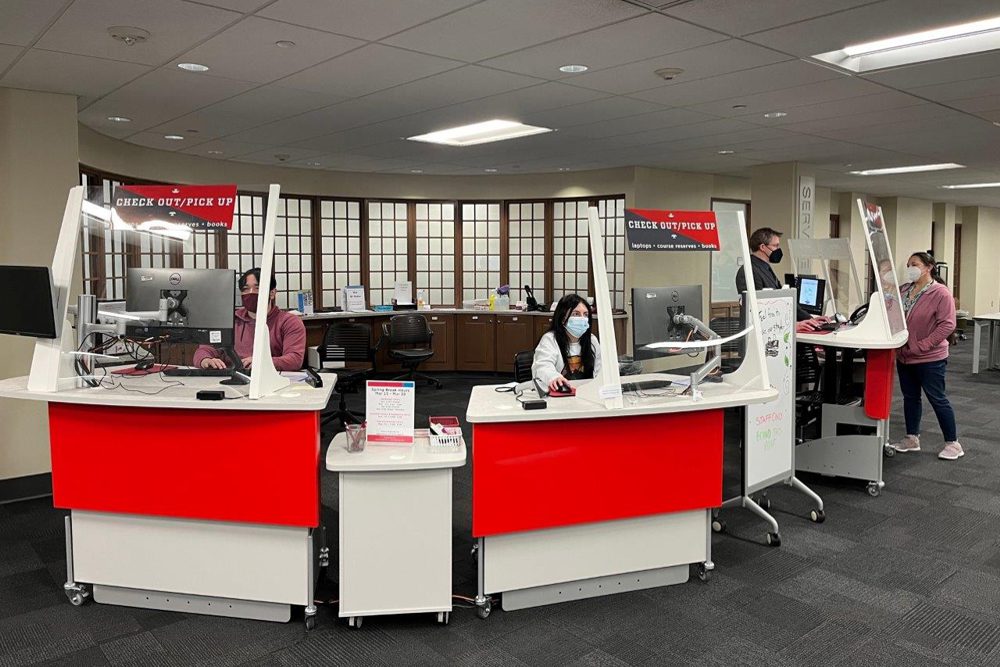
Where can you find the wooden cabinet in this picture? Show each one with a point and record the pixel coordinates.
(542, 324)
(514, 333)
(475, 345)
(443, 327)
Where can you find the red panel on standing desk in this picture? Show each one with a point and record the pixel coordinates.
(542, 474)
(879, 367)
(224, 465)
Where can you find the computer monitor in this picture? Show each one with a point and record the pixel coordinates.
(200, 304)
(26, 304)
(790, 278)
(812, 292)
(653, 309)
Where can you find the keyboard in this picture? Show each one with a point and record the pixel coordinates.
(199, 372)
(644, 385)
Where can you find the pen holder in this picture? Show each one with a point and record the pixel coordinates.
(355, 437)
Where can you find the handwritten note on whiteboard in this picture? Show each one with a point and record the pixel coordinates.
(770, 427)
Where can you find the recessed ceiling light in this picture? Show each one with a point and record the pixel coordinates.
(970, 186)
(215, 152)
(491, 170)
(573, 69)
(416, 171)
(739, 106)
(775, 114)
(908, 170)
(563, 168)
(193, 67)
(480, 133)
(173, 137)
(284, 44)
(119, 119)
(314, 164)
(997, 123)
(726, 152)
(924, 36)
(668, 73)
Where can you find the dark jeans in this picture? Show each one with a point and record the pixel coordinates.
(930, 378)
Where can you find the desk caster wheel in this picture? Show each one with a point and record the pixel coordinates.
(355, 622)
(773, 540)
(443, 617)
(817, 516)
(764, 502)
(310, 623)
(474, 552)
(874, 490)
(718, 526)
(704, 573)
(484, 609)
(77, 594)
(889, 451)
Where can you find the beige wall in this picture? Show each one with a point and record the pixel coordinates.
(980, 268)
(908, 225)
(943, 240)
(38, 165)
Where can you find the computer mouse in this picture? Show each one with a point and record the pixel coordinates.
(145, 365)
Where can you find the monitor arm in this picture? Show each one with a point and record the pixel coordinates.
(87, 312)
(715, 360)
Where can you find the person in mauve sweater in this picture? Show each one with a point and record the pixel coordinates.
(287, 333)
(921, 363)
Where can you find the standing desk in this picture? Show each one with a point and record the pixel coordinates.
(187, 505)
(577, 501)
(990, 321)
(854, 456)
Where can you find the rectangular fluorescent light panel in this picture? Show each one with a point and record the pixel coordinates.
(946, 42)
(908, 170)
(480, 133)
(969, 186)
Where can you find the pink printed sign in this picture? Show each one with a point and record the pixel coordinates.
(389, 412)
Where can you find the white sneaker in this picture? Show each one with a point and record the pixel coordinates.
(910, 443)
(952, 451)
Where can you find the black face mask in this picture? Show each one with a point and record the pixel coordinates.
(775, 256)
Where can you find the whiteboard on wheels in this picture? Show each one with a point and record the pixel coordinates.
(769, 436)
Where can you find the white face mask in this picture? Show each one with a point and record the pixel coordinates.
(913, 274)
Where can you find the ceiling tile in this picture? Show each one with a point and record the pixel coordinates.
(848, 117)
(832, 113)
(959, 90)
(368, 69)
(206, 124)
(21, 21)
(8, 54)
(320, 122)
(739, 17)
(495, 27)
(640, 38)
(271, 154)
(155, 140)
(608, 108)
(698, 63)
(247, 51)
(748, 82)
(877, 20)
(361, 18)
(789, 98)
(73, 75)
(649, 121)
(230, 149)
(272, 102)
(175, 26)
(243, 6)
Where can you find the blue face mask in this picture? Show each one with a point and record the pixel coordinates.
(577, 326)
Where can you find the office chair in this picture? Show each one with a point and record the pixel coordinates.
(808, 390)
(522, 365)
(347, 343)
(413, 332)
(732, 352)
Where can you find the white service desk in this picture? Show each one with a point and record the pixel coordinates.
(395, 528)
(989, 321)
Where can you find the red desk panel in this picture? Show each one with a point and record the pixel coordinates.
(880, 368)
(223, 465)
(533, 475)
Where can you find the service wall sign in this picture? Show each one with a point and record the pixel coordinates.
(647, 229)
(195, 206)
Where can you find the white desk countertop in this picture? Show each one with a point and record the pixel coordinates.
(436, 311)
(987, 316)
(486, 405)
(847, 337)
(418, 456)
(296, 397)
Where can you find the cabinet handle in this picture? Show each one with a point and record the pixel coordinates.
(475, 317)
(513, 319)
(434, 318)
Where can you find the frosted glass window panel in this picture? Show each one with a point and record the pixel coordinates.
(422, 262)
(448, 263)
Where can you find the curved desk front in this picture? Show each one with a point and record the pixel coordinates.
(577, 501)
(184, 504)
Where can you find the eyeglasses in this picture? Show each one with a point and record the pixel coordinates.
(249, 290)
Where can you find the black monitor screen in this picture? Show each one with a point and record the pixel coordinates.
(811, 294)
(200, 303)
(26, 304)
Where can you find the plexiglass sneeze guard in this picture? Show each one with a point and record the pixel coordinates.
(93, 232)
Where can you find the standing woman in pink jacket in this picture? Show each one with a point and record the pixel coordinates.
(921, 363)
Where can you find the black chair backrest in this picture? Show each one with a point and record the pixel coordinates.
(522, 365)
(807, 368)
(409, 330)
(347, 341)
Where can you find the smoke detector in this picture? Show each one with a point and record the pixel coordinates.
(128, 35)
(668, 73)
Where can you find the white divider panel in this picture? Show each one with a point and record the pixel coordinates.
(770, 427)
(264, 379)
(610, 377)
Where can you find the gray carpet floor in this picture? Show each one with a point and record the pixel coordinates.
(909, 578)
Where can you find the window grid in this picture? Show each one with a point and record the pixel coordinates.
(480, 249)
(340, 249)
(526, 248)
(570, 253)
(435, 252)
(293, 258)
(245, 240)
(611, 212)
(388, 261)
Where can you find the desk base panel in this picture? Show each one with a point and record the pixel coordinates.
(595, 587)
(193, 604)
(850, 456)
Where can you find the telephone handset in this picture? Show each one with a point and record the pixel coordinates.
(859, 313)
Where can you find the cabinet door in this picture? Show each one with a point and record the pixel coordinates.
(382, 360)
(443, 327)
(475, 343)
(542, 324)
(621, 334)
(515, 333)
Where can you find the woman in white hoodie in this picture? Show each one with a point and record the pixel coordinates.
(568, 350)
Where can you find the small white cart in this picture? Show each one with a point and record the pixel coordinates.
(395, 528)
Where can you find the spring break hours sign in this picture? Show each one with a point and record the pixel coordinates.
(647, 229)
(389, 411)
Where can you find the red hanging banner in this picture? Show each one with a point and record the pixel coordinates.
(647, 229)
(195, 206)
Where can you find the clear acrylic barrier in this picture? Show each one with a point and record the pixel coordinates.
(836, 267)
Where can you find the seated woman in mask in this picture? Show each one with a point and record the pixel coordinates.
(287, 332)
(568, 350)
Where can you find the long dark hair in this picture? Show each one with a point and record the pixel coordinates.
(928, 260)
(558, 329)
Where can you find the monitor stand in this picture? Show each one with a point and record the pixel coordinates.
(241, 375)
